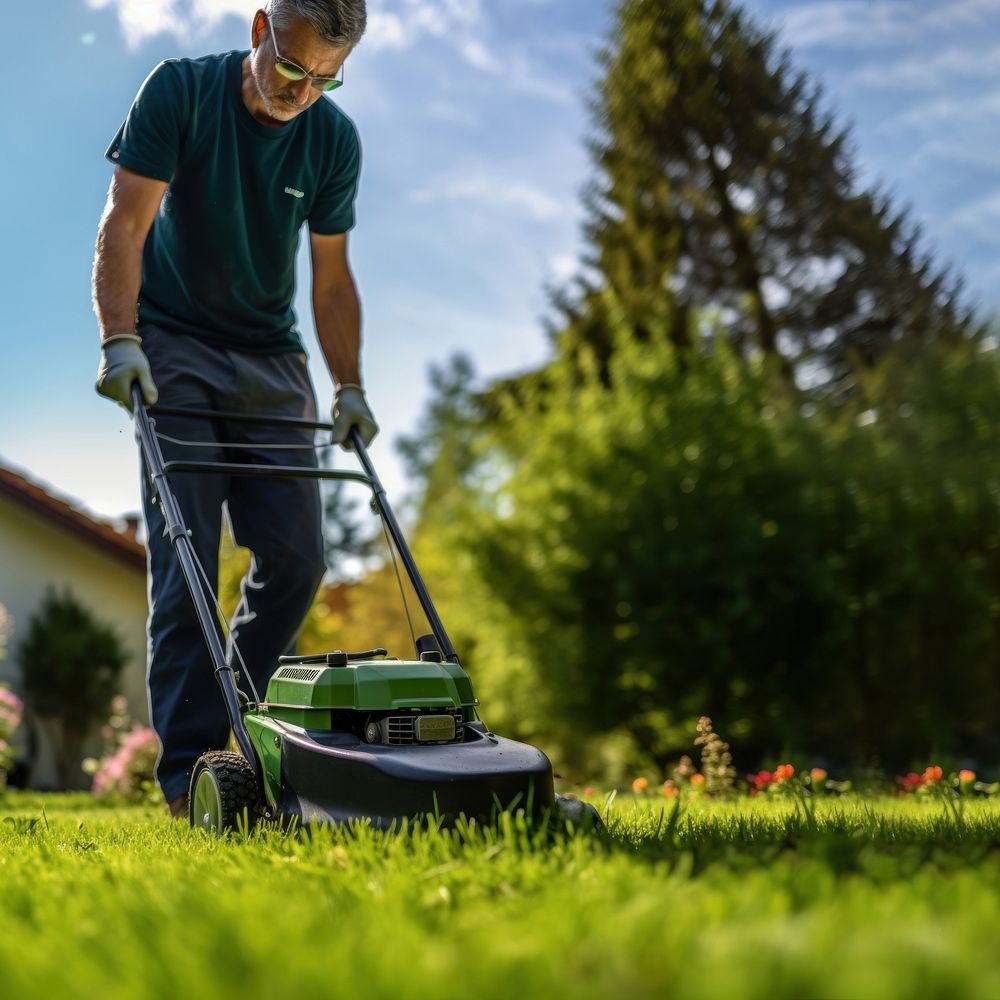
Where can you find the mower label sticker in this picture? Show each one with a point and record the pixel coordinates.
(435, 728)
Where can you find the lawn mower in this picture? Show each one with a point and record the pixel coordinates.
(343, 736)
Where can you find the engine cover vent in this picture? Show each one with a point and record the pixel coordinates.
(299, 673)
(423, 727)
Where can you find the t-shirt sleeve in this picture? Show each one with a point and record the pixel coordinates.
(149, 141)
(333, 210)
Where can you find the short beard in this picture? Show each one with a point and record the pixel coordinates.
(277, 107)
(274, 106)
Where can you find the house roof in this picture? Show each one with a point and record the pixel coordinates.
(122, 545)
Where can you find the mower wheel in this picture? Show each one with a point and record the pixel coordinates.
(582, 815)
(223, 789)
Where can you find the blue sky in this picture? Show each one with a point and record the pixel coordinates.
(472, 117)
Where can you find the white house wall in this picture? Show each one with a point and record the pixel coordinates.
(36, 554)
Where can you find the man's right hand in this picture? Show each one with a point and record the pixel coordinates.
(122, 363)
(350, 409)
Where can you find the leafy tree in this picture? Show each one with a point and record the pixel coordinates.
(442, 451)
(344, 537)
(724, 185)
(669, 538)
(70, 664)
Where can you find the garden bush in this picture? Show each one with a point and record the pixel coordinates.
(685, 537)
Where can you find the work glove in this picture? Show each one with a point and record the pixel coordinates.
(350, 409)
(122, 363)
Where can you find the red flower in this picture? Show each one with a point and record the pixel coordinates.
(761, 780)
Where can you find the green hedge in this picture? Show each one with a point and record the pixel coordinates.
(688, 540)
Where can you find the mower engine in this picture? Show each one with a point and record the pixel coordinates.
(344, 735)
(420, 725)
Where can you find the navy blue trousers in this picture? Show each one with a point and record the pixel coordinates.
(279, 520)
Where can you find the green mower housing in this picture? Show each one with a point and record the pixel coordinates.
(386, 739)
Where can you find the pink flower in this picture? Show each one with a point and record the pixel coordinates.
(119, 704)
(139, 737)
(11, 700)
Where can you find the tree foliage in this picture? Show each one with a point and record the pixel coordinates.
(671, 538)
(724, 185)
(652, 528)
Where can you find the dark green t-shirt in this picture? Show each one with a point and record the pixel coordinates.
(219, 262)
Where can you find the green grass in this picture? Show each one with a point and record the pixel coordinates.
(757, 899)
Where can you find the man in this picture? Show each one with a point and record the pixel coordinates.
(219, 163)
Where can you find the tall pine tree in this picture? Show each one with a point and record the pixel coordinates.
(725, 189)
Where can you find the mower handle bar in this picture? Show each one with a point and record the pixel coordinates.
(158, 470)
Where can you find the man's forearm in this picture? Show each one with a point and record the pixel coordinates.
(337, 313)
(116, 278)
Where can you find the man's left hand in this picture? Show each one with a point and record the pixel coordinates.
(350, 409)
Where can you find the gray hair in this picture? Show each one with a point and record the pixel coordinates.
(339, 22)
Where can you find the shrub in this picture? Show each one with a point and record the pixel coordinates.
(684, 538)
(70, 664)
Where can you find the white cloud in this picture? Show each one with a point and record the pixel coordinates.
(981, 219)
(932, 72)
(495, 193)
(960, 150)
(954, 125)
(210, 12)
(562, 267)
(476, 54)
(391, 23)
(385, 31)
(453, 114)
(524, 79)
(865, 24)
(940, 109)
(142, 19)
(849, 23)
(959, 12)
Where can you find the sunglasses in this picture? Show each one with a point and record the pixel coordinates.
(292, 71)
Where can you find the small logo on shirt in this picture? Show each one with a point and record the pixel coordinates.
(294, 193)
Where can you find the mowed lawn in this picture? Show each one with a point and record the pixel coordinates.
(754, 898)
